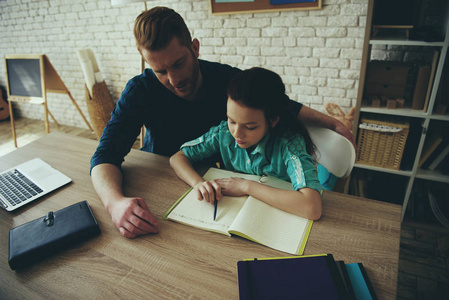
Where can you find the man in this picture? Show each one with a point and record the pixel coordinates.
(177, 100)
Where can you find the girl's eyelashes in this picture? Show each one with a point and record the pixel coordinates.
(230, 121)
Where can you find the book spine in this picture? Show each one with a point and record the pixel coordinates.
(422, 83)
(360, 282)
(432, 76)
(338, 279)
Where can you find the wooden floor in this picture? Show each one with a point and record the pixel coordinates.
(424, 256)
(423, 262)
(28, 130)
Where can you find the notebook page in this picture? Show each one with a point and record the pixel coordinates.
(200, 214)
(270, 226)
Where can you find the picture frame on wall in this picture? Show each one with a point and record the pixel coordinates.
(260, 6)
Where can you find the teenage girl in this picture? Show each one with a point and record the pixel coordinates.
(261, 136)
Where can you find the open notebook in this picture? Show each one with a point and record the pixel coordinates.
(27, 182)
(245, 216)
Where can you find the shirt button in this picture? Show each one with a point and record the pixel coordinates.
(248, 161)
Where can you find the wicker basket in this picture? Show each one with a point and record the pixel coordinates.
(381, 143)
(99, 107)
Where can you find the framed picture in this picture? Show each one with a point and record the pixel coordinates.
(259, 6)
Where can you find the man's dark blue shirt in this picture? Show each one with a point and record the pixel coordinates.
(170, 120)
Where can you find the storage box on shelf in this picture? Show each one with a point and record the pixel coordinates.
(381, 143)
(386, 79)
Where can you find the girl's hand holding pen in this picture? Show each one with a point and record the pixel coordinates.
(209, 191)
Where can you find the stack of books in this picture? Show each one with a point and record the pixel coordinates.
(303, 277)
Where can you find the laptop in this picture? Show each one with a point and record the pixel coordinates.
(27, 182)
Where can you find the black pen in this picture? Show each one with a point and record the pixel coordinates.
(215, 209)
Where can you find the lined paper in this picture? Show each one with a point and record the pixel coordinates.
(270, 226)
(200, 214)
(246, 216)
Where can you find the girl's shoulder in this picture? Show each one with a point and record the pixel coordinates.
(220, 129)
(291, 141)
(289, 136)
(223, 125)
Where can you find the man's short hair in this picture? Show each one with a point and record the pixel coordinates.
(155, 28)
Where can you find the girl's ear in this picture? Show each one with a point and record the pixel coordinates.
(274, 121)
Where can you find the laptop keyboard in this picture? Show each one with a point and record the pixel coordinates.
(16, 188)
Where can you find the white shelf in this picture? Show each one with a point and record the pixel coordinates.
(384, 170)
(440, 117)
(426, 118)
(432, 175)
(407, 112)
(400, 41)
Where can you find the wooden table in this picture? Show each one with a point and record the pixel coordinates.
(180, 262)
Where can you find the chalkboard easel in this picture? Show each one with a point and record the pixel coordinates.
(28, 80)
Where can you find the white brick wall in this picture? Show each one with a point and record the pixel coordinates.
(317, 53)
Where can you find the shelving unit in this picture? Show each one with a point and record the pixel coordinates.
(424, 119)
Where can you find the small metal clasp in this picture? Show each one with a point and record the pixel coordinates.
(49, 218)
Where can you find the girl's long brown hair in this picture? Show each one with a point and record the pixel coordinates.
(259, 88)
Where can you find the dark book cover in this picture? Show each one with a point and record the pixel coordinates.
(341, 266)
(43, 237)
(306, 277)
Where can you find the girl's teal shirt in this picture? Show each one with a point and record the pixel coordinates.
(283, 156)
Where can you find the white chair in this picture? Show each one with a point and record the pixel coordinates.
(334, 152)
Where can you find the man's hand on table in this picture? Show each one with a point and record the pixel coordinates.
(132, 217)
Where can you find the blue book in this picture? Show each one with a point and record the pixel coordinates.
(360, 282)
